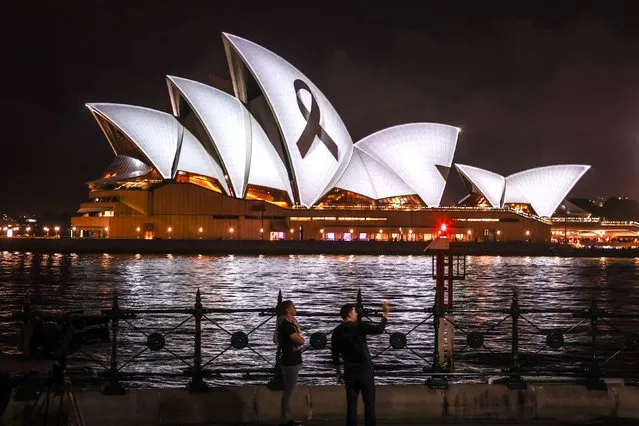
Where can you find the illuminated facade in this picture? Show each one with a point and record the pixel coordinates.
(277, 150)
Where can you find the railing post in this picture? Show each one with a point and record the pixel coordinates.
(438, 381)
(514, 380)
(197, 383)
(277, 381)
(359, 304)
(593, 380)
(113, 385)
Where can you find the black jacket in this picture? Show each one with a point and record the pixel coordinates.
(349, 341)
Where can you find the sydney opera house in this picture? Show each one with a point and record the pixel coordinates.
(275, 161)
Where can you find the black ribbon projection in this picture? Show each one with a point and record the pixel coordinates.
(313, 127)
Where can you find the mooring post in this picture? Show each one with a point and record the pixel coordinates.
(437, 381)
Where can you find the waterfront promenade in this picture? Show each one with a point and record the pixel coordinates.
(540, 403)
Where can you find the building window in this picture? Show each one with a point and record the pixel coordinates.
(277, 236)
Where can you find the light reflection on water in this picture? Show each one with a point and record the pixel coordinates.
(316, 283)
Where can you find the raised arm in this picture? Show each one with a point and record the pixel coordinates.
(372, 328)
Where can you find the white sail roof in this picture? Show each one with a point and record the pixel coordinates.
(156, 134)
(546, 187)
(267, 168)
(513, 195)
(491, 185)
(227, 124)
(366, 176)
(194, 159)
(419, 153)
(356, 178)
(315, 138)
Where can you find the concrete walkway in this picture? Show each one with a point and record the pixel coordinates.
(603, 422)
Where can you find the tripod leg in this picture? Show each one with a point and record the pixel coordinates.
(30, 419)
(46, 404)
(60, 407)
(79, 421)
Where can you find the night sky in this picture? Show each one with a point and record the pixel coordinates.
(531, 83)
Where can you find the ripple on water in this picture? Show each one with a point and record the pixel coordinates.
(316, 283)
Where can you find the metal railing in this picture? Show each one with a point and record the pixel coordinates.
(512, 343)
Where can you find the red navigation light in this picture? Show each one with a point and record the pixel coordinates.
(443, 230)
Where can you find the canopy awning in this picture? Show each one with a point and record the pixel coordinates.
(92, 209)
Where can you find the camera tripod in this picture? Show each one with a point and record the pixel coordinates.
(58, 385)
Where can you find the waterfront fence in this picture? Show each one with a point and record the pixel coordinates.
(203, 345)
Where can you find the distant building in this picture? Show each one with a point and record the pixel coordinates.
(585, 223)
(275, 161)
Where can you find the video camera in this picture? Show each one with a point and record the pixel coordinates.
(53, 336)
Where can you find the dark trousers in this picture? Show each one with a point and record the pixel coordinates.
(359, 378)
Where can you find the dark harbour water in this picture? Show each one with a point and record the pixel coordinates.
(320, 284)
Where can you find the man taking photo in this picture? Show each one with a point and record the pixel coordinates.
(349, 342)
